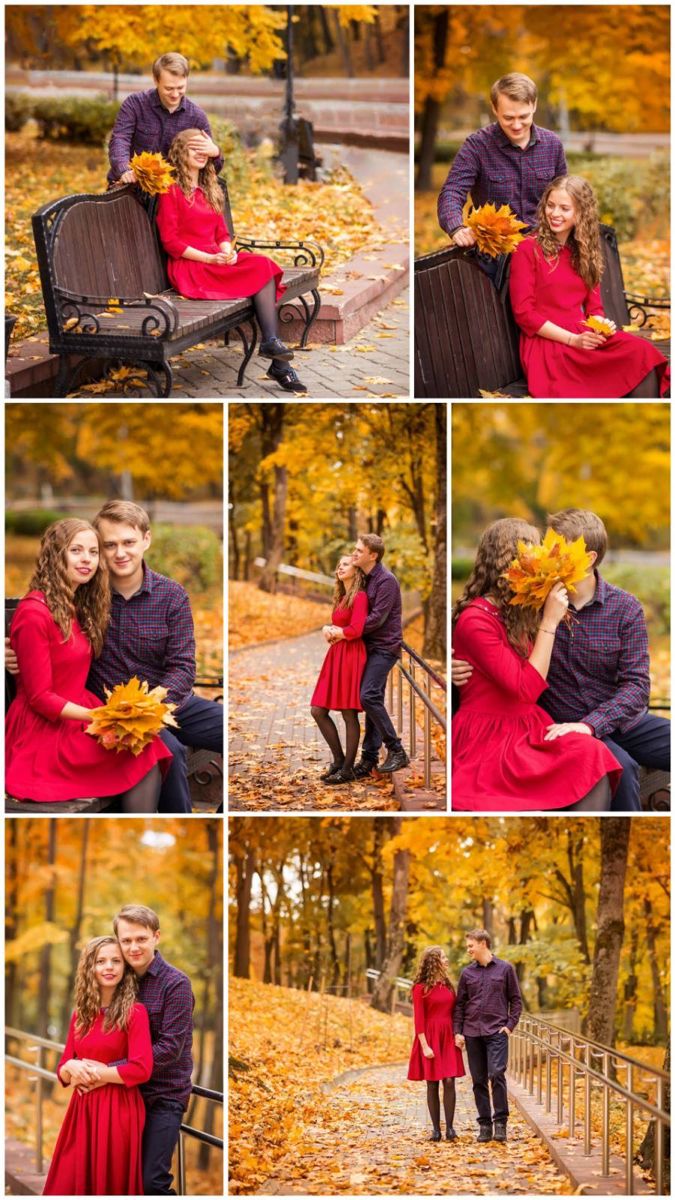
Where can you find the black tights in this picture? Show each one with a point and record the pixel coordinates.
(647, 388)
(143, 797)
(329, 732)
(434, 1102)
(265, 305)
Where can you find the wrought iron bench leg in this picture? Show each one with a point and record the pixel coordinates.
(63, 378)
(310, 318)
(160, 378)
(288, 312)
(249, 347)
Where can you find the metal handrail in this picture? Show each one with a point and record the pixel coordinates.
(542, 1048)
(415, 691)
(39, 1044)
(425, 665)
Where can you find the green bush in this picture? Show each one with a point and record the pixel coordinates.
(192, 555)
(651, 585)
(31, 522)
(236, 160)
(462, 568)
(18, 109)
(75, 119)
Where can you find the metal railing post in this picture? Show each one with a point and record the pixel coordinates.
(399, 706)
(540, 1063)
(573, 1088)
(427, 739)
(587, 1103)
(411, 715)
(390, 691)
(605, 1117)
(38, 1112)
(181, 1166)
(549, 1092)
(561, 1113)
(659, 1141)
(629, 1132)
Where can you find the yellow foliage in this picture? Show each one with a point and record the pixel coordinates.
(131, 717)
(497, 230)
(153, 173)
(536, 569)
(600, 325)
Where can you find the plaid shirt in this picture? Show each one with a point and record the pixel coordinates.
(150, 635)
(599, 671)
(167, 996)
(488, 998)
(383, 629)
(143, 123)
(495, 171)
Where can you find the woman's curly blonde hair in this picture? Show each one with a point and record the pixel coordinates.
(88, 996)
(90, 602)
(208, 180)
(496, 551)
(431, 969)
(584, 238)
(343, 597)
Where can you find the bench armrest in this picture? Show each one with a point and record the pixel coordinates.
(162, 318)
(306, 253)
(637, 306)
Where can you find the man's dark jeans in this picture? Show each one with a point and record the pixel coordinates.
(646, 745)
(162, 1123)
(488, 1057)
(379, 728)
(201, 726)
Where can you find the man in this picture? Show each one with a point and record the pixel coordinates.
(598, 680)
(167, 995)
(487, 1010)
(150, 120)
(151, 635)
(508, 162)
(382, 635)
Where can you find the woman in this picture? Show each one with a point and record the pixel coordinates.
(501, 757)
(339, 682)
(434, 1055)
(202, 264)
(554, 286)
(58, 628)
(98, 1152)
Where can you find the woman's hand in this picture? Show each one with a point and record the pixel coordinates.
(428, 1052)
(556, 731)
(588, 340)
(220, 258)
(555, 607)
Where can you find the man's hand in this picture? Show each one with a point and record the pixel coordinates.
(11, 661)
(459, 1041)
(337, 634)
(83, 1071)
(556, 731)
(464, 237)
(127, 177)
(202, 141)
(460, 671)
(505, 1029)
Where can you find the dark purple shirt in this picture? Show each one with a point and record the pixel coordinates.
(167, 995)
(143, 123)
(488, 998)
(151, 635)
(383, 629)
(599, 671)
(496, 172)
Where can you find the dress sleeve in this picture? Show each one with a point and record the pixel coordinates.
(138, 1066)
(593, 306)
(358, 618)
(487, 650)
(30, 638)
(418, 1008)
(68, 1050)
(523, 288)
(222, 232)
(169, 222)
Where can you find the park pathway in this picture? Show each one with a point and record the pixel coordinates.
(276, 752)
(377, 1143)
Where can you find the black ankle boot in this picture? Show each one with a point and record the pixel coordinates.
(450, 1135)
(436, 1136)
(332, 770)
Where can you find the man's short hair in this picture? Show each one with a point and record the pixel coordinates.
(479, 935)
(573, 523)
(177, 64)
(373, 543)
(123, 512)
(138, 914)
(516, 87)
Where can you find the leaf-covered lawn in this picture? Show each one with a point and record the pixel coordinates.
(336, 214)
(256, 616)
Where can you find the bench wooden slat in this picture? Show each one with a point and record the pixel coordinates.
(91, 249)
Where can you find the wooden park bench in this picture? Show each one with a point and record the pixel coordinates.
(466, 338)
(205, 768)
(92, 249)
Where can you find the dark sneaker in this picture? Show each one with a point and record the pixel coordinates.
(284, 375)
(436, 1136)
(396, 760)
(485, 1134)
(275, 348)
(500, 1131)
(331, 771)
(450, 1135)
(364, 768)
(340, 777)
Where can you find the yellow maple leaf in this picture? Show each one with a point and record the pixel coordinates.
(153, 173)
(131, 717)
(536, 569)
(497, 230)
(600, 325)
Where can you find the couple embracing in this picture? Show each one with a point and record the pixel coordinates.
(480, 1017)
(364, 641)
(128, 1061)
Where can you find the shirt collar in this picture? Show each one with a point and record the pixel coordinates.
(157, 103)
(156, 964)
(501, 137)
(600, 593)
(147, 585)
(377, 570)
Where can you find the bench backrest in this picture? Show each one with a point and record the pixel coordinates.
(466, 339)
(10, 682)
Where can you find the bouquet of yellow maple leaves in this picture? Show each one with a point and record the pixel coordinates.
(600, 325)
(131, 717)
(536, 569)
(153, 173)
(497, 230)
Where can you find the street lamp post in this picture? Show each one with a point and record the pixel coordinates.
(289, 126)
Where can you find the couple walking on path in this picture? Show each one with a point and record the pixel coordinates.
(479, 1017)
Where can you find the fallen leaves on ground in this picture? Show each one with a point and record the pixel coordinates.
(256, 616)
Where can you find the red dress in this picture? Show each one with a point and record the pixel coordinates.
(542, 292)
(182, 223)
(339, 682)
(47, 757)
(433, 1017)
(500, 760)
(98, 1152)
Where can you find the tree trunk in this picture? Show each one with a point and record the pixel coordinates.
(46, 951)
(212, 986)
(630, 989)
(574, 894)
(377, 889)
(432, 108)
(75, 931)
(614, 839)
(435, 626)
(245, 866)
(325, 29)
(384, 990)
(271, 418)
(11, 920)
(646, 1154)
(234, 534)
(660, 1009)
(342, 36)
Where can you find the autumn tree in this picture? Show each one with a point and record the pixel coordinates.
(614, 839)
